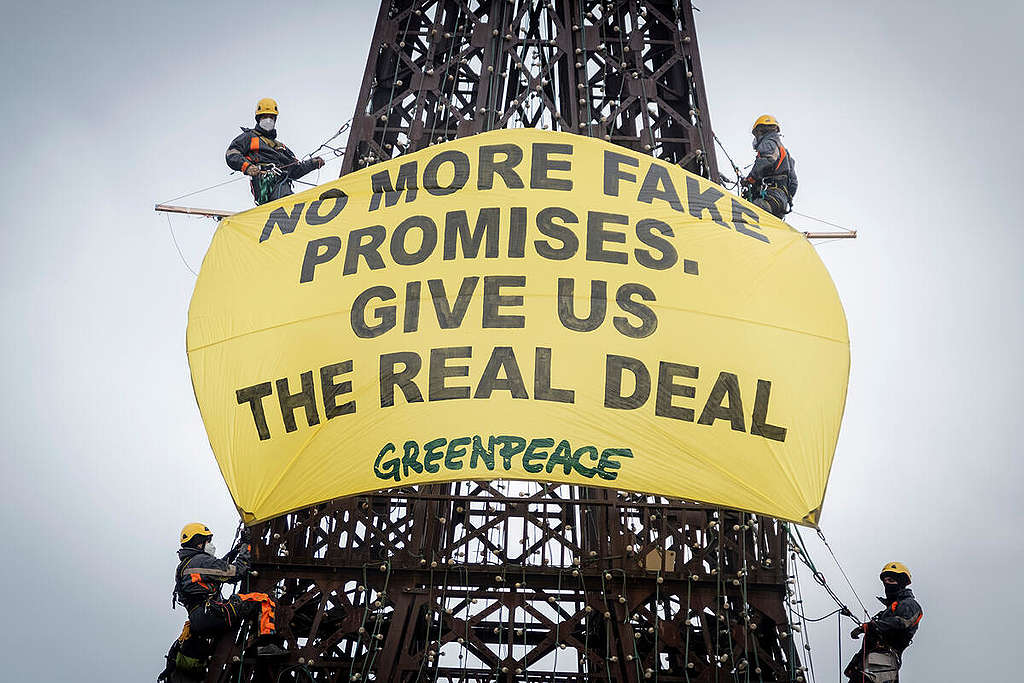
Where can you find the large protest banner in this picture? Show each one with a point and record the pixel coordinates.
(519, 304)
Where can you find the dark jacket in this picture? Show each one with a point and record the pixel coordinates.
(896, 625)
(259, 147)
(200, 575)
(773, 164)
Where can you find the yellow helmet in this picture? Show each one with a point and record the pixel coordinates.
(764, 120)
(190, 531)
(895, 568)
(266, 107)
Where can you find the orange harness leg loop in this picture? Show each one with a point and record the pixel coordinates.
(266, 610)
(782, 156)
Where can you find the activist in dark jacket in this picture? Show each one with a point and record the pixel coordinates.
(200, 574)
(197, 586)
(771, 183)
(889, 632)
(269, 163)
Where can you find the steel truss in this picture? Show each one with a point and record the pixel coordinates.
(627, 71)
(503, 581)
(516, 581)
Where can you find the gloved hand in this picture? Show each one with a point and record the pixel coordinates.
(253, 171)
(859, 631)
(243, 556)
(319, 162)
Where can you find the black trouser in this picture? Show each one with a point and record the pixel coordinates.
(774, 200)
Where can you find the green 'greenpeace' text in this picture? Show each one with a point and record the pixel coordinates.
(467, 454)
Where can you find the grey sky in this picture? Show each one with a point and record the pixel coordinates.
(903, 118)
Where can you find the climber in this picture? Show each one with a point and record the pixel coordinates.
(771, 183)
(889, 632)
(197, 586)
(269, 163)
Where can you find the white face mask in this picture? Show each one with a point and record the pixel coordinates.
(210, 548)
(267, 123)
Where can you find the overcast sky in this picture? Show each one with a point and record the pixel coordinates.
(904, 119)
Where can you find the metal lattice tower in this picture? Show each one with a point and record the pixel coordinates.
(627, 71)
(514, 581)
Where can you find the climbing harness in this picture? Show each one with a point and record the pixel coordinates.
(264, 186)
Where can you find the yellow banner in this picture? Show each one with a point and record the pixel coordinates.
(519, 304)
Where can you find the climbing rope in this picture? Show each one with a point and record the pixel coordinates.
(465, 639)
(717, 524)
(587, 609)
(747, 640)
(296, 667)
(803, 617)
(207, 189)
(735, 168)
(686, 647)
(839, 647)
(337, 151)
(372, 649)
(178, 248)
(657, 622)
(819, 220)
(558, 622)
(805, 634)
(428, 616)
(440, 618)
(243, 633)
(790, 638)
(798, 547)
(821, 535)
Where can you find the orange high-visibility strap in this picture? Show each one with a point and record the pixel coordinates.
(782, 156)
(196, 578)
(894, 606)
(254, 144)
